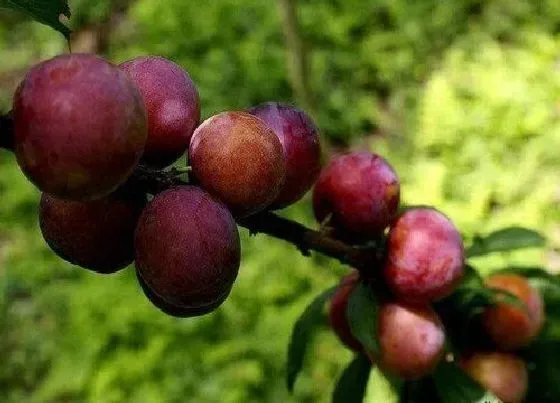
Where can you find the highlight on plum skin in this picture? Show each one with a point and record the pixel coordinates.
(503, 374)
(512, 327)
(300, 141)
(360, 192)
(337, 311)
(80, 126)
(187, 251)
(238, 159)
(425, 256)
(96, 235)
(172, 105)
(411, 340)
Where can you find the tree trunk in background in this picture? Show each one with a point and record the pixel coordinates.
(96, 37)
(296, 55)
(298, 65)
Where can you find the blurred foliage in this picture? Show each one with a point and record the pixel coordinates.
(462, 96)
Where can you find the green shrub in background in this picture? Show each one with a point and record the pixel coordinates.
(462, 99)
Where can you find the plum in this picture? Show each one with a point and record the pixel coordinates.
(360, 192)
(512, 327)
(80, 126)
(337, 311)
(425, 256)
(187, 251)
(503, 374)
(411, 339)
(237, 158)
(300, 140)
(172, 105)
(97, 235)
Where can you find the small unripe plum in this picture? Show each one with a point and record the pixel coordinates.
(425, 256)
(503, 374)
(97, 235)
(187, 251)
(360, 192)
(300, 140)
(337, 311)
(79, 126)
(172, 105)
(411, 340)
(512, 327)
(237, 158)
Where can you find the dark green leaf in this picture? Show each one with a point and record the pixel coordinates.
(45, 11)
(506, 239)
(302, 333)
(544, 372)
(362, 311)
(351, 386)
(453, 385)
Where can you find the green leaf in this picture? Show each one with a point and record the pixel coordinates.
(506, 239)
(351, 386)
(362, 311)
(45, 11)
(302, 333)
(453, 385)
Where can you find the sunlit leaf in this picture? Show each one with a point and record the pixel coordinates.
(504, 240)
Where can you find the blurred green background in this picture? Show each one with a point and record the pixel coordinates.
(461, 96)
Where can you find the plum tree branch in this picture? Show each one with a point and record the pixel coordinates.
(306, 240)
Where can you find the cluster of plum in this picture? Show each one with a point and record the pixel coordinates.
(82, 126)
(423, 264)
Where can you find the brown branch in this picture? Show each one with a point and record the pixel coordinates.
(153, 181)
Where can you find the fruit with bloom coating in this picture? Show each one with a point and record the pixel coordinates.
(512, 327)
(411, 339)
(505, 375)
(79, 126)
(187, 251)
(360, 192)
(337, 311)
(172, 105)
(425, 256)
(300, 140)
(97, 235)
(237, 158)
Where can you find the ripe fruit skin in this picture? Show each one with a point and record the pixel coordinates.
(337, 311)
(187, 250)
(79, 125)
(505, 375)
(172, 105)
(425, 256)
(174, 310)
(300, 140)
(361, 192)
(411, 339)
(511, 327)
(97, 235)
(237, 158)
